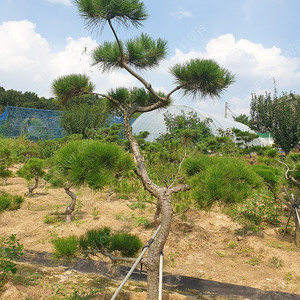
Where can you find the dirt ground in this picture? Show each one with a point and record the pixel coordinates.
(205, 245)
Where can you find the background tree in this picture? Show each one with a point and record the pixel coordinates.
(27, 99)
(33, 169)
(6, 160)
(81, 117)
(242, 118)
(186, 129)
(87, 162)
(279, 116)
(197, 77)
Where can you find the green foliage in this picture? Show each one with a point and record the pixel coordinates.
(10, 202)
(76, 294)
(90, 162)
(102, 240)
(10, 250)
(271, 153)
(271, 175)
(4, 172)
(269, 161)
(67, 87)
(141, 53)
(65, 247)
(278, 116)
(244, 136)
(6, 160)
(125, 12)
(27, 99)
(242, 118)
(33, 168)
(218, 144)
(47, 148)
(127, 244)
(262, 208)
(142, 221)
(95, 239)
(79, 118)
(295, 157)
(202, 77)
(227, 180)
(187, 129)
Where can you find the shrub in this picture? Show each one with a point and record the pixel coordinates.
(295, 157)
(10, 250)
(4, 201)
(98, 239)
(10, 202)
(65, 246)
(223, 179)
(127, 244)
(271, 153)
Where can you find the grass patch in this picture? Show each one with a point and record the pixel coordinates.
(10, 202)
(65, 247)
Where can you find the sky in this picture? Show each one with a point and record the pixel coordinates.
(257, 40)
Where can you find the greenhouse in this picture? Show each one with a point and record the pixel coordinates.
(33, 123)
(154, 123)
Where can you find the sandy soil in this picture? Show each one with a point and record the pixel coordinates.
(203, 246)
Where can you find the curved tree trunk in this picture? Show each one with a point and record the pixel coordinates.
(71, 207)
(157, 213)
(33, 187)
(163, 196)
(157, 246)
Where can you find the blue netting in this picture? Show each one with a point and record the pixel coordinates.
(34, 123)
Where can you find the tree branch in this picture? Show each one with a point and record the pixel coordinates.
(179, 168)
(118, 42)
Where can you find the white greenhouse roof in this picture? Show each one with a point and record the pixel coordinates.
(153, 121)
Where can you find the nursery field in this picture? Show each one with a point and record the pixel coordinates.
(204, 245)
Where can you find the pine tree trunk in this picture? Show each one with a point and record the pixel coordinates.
(31, 188)
(163, 196)
(157, 246)
(71, 207)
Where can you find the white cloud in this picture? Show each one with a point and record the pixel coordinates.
(27, 63)
(247, 60)
(65, 2)
(181, 13)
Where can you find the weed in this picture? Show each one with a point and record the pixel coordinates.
(137, 205)
(254, 261)
(52, 219)
(79, 205)
(276, 262)
(220, 253)
(76, 294)
(232, 244)
(95, 213)
(123, 217)
(10, 250)
(142, 221)
(288, 277)
(170, 259)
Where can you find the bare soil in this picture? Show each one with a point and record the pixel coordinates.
(204, 246)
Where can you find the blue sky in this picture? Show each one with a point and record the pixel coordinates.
(257, 40)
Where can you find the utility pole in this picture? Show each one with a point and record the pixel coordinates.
(226, 109)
